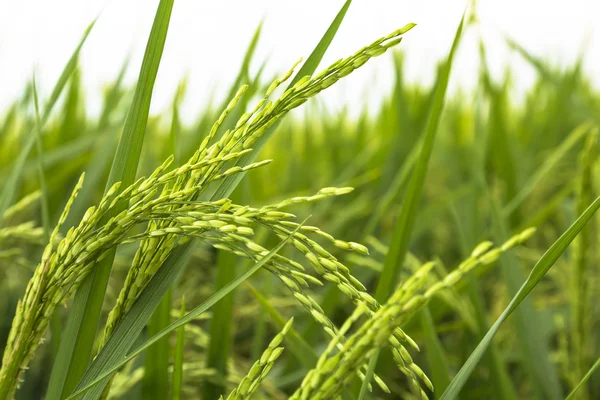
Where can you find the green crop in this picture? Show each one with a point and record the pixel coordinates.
(420, 250)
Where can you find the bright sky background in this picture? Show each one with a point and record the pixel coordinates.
(207, 40)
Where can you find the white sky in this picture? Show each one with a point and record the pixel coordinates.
(207, 40)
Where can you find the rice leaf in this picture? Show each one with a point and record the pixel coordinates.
(547, 166)
(394, 189)
(78, 339)
(538, 272)
(405, 223)
(528, 323)
(587, 376)
(404, 226)
(175, 138)
(56, 156)
(538, 64)
(368, 375)
(40, 157)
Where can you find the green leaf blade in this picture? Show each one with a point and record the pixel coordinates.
(75, 353)
(538, 272)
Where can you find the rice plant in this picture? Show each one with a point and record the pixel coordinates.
(321, 255)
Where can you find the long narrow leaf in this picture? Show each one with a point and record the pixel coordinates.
(587, 376)
(538, 272)
(549, 164)
(406, 220)
(77, 346)
(40, 158)
(527, 323)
